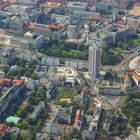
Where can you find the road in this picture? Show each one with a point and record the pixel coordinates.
(124, 65)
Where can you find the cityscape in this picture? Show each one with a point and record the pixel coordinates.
(69, 69)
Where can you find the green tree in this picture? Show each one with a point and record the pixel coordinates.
(24, 124)
(34, 76)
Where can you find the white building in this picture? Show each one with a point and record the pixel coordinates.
(94, 61)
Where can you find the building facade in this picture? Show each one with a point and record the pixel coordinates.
(94, 61)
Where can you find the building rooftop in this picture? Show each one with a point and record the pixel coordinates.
(3, 128)
(52, 5)
(135, 11)
(37, 109)
(131, 74)
(13, 119)
(77, 4)
(16, 82)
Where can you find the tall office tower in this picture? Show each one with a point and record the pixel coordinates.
(94, 61)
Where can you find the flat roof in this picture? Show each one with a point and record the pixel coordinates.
(135, 11)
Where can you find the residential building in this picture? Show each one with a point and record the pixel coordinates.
(94, 61)
(8, 56)
(134, 75)
(41, 71)
(51, 61)
(60, 121)
(9, 90)
(72, 31)
(59, 129)
(79, 6)
(64, 114)
(41, 136)
(51, 92)
(2, 74)
(106, 7)
(84, 16)
(117, 138)
(106, 88)
(30, 41)
(37, 111)
(132, 137)
(88, 135)
(68, 82)
(17, 24)
(93, 126)
(54, 31)
(3, 129)
(78, 121)
(134, 21)
(63, 19)
(115, 15)
(22, 10)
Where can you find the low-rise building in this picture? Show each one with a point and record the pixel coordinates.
(13, 119)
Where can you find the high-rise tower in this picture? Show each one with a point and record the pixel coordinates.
(94, 61)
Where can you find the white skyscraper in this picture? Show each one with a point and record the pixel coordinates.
(94, 61)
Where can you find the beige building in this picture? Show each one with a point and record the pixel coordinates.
(138, 131)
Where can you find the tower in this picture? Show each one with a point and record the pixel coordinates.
(94, 61)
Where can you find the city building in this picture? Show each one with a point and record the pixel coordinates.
(8, 55)
(106, 7)
(3, 129)
(78, 121)
(9, 90)
(60, 121)
(51, 92)
(94, 61)
(17, 24)
(90, 135)
(127, 78)
(64, 114)
(13, 119)
(138, 131)
(106, 88)
(79, 6)
(37, 111)
(133, 21)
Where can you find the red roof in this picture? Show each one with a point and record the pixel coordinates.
(16, 82)
(131, 74)
(85, 89)
(96, 18)
(3, 128)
